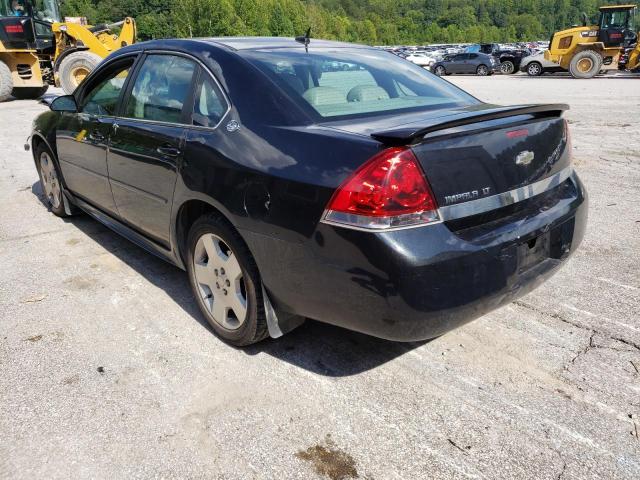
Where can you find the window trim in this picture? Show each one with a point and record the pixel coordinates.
(190, 97)
(202, 74)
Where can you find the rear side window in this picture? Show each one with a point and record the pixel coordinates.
(345, 82)
(209, 103)
(161, 88)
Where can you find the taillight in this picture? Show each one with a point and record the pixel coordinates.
(388, 191)
(14, 28)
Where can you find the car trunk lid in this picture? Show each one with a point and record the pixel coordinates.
(484, 150)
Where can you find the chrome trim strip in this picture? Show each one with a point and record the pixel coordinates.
(472, 207)
(482, 205)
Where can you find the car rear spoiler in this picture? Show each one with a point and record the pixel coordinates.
(408, 133)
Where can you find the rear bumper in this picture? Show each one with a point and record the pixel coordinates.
(419, 283)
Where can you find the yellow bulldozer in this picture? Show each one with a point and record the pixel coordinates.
(585, 50)
(37, 49)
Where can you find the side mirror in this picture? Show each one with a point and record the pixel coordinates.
(65, 103)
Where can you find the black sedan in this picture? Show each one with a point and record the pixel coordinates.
(469, 63)
(328, 181)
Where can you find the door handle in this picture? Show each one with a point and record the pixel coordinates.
(168, 151)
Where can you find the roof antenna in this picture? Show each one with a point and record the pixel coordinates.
(305, 39)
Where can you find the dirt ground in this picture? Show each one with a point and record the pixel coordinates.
(107, 370)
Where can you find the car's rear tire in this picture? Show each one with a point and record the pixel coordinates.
(585, 64)
(534, 69)
(482, 70)
(6, 81)
(50, 180)
(75, 67)
(29, 93)
(225, 280)
(440, 71)
(507, 67)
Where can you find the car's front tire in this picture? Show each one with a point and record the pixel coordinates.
(50, 180)
(440, 71)
(225, 281)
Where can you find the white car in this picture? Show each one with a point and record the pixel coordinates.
(535, 65)
(421, 59)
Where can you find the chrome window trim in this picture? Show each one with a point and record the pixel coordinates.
(472, 207)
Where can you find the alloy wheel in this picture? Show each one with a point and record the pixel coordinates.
(440, 71)
(534, 69)
(220, 281)
(50, 182)
(507, 67)
(482, 70)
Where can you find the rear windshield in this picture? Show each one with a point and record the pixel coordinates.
(343, 82)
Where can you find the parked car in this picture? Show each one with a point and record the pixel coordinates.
(382, 199)
(508, 58)
(536, 65)
(421, 59)
(477, 63)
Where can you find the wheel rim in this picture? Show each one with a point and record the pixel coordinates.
(507, 67)
(78, 74)
(482, 70)
(220, 281)
(440, 71)
(534, 69)
(50, 181)
(585, 65)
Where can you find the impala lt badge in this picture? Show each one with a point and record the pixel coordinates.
(525, 158)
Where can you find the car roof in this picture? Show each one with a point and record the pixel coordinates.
(233, 44)
(257, 43)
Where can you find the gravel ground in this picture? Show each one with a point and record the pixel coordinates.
(107, 370)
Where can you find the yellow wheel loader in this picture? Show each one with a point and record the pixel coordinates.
(38, 50)
(585, 50)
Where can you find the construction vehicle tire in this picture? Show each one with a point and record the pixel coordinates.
(585, 64)
(75, 67)
(29, 93)
(6, 81)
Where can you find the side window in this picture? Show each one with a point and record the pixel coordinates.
(473, 55)
(102, 98)
(209, 103)
(161, 88)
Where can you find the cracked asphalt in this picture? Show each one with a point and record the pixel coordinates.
(107, 370)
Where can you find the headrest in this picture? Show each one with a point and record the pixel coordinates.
(367, 93)
(324, 96)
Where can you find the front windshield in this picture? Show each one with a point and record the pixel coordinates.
(350, 82)
(46, 10)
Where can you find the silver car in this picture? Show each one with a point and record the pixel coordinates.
(535, 65)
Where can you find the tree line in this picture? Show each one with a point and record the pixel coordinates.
(375, 22)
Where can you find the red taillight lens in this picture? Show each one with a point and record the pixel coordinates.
(388, 191)
(13, 28)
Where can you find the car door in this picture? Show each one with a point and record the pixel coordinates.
(147, 141)
(456, 64)
(471, 63)
(82, 137)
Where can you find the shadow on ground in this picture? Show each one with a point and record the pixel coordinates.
(314, 346)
